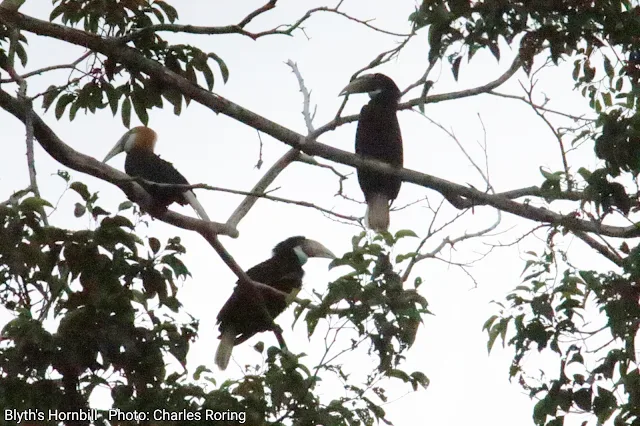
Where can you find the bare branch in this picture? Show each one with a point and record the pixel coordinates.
(540, 107)
(267, 179)
(248, 194)
(306, 96)
(239, 28)
(41, 71)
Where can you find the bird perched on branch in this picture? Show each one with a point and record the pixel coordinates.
(243, 315)
(378, 137)
(142, 162)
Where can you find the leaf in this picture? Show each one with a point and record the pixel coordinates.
(170, 11)
(201, 369)
(49, 96)
(113, 96)
(140, 107)
(399, 374)
(405, 233)
(81, 189)
(117, 221)
(63, 101)
(126, 113)
(73, 110)
(34, 204)
(608, 68)
(79, 210)
(208, 76)
(125, 205)
(582, 399)
(223, 67)
(154, 244)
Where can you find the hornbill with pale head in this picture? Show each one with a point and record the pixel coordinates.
(242, 315)
(142, 162)
(378, 137)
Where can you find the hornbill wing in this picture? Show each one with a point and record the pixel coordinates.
(378, 137)
(149, 166)
(243, 310)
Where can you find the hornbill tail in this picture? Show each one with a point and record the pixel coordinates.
(225, 348)
(190, 196)
(377, 216)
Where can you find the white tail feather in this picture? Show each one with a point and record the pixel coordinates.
(227, 342)
(377, 217)
(193, 201)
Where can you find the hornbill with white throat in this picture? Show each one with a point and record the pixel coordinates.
(139, 144)
(242, 316)
(378, 137)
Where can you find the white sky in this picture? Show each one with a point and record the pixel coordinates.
(467, 385)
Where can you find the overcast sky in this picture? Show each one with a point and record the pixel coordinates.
(467, 385)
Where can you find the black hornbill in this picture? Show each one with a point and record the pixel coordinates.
(378, 137)
(142, 162)
(241, 316)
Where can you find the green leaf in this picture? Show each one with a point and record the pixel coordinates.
(126, 113)
(405, 233)
(418, 378)
(125, 205)
(73, 110)
(49, 96)
(399, 374)
(81, 189)
(113, 96)
(140, 107)
(201, 369)
(63, 101)
(79, 210)
(223, 67)
(170, 11)
(34, 204)
(582, 399)
(154, 244)
(608, 68)
(208, 76)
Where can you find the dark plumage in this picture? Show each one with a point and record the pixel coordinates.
(241, 316)
(149, 166)
(142, 162)
(378, 137)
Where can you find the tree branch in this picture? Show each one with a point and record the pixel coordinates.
(459, 195)
(75, 160)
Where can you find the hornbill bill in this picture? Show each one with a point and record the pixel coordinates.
(142, 162)
(242, 315)
(378, 137)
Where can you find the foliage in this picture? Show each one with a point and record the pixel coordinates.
(95, 302)
(91, 303)
(557, 315)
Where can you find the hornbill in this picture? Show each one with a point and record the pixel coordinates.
(142, 162)
(242, 315)
(378, 137)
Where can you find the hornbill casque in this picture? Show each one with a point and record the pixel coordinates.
(242, 315)
(142, 162)
(378, 137)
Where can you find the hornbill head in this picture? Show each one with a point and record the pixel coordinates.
(139, 137)
(303, 248)
(376, 85)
